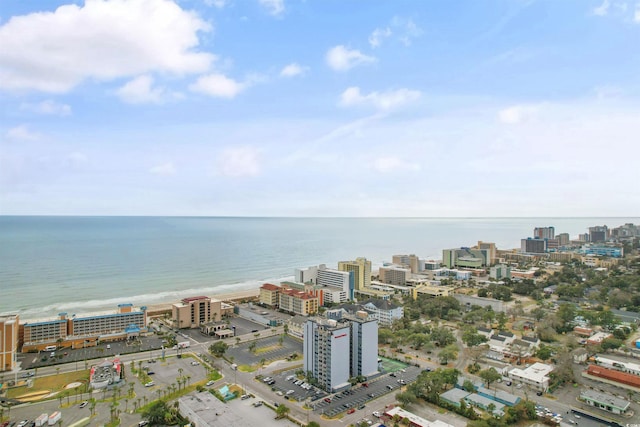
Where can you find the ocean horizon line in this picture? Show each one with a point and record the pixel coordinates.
(308, 217)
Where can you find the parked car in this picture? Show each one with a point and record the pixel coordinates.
(245, 396)
(351, 411)
(83, 404)
(150, 384)
(209, 383)
(377, 414)
(258, 403)
(143, 423)
(327, 399)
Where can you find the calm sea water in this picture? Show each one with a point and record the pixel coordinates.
(85, 264)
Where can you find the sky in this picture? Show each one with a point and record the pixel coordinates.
(320, 108)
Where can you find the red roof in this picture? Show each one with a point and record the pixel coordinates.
(613, 375)
(190, 299)
(270, 287)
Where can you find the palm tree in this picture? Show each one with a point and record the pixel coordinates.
(126, 405)
(92, 406)
(188, 379)
(131, 387)
(238, 340)
(180, 371)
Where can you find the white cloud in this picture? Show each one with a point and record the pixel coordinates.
(48, 107)
(392, 164)
(636, 16)
(218, 85)
(406, 29)
(375, 39)
(293, 70)
(22, 133)
(163, 169)
(102, 40)
(217, 3)
(517, 114)
(140, 91)
(603, 9)
(342, 59)
(381, 100)
(239, 162)
(275, 7)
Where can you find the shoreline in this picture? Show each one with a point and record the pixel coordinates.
(153, 309)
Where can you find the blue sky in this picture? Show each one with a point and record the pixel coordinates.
(320, 108)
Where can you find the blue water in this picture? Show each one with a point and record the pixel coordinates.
(84, 264)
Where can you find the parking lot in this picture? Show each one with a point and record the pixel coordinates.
(67, 355)
(266, 348)
(165, 373)
(361, 395)
(356, 398)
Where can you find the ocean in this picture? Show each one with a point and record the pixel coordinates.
(81, 265)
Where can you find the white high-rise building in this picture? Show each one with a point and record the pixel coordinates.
(336, 350)
(338, 285)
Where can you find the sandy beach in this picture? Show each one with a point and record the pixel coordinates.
(154, 309)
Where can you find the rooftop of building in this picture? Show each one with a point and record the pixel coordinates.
(605, 398)
(270, 287)
(415, 420)
(192, 299)
(381, 304)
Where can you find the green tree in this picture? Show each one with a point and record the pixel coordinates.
(218, 349)
(501, 318)
(282, 411)
(448, 353)
(544, 352)
(406, 398)
(489, 376)
(472, 338)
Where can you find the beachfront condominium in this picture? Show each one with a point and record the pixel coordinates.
(412, 262)
(9, 327)
(82, 331)
(544, 233)
(195, 311)
(361, 268)
(337, 286)
(336, 350)
(533, 246)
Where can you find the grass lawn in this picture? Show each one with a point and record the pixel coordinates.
(51, 383)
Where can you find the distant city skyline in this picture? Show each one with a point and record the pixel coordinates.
(500, 108)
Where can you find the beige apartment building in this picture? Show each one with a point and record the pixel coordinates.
(269, 294)
(9, 328)
(298, 302)
(195, 311)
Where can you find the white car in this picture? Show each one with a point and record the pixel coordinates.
(209, 383)
(377, 414)
(290, 392)
(194, 363)
(150, 384)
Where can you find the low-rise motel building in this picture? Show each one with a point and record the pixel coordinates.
(606, 402)
(294, 298)
(83, 331)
